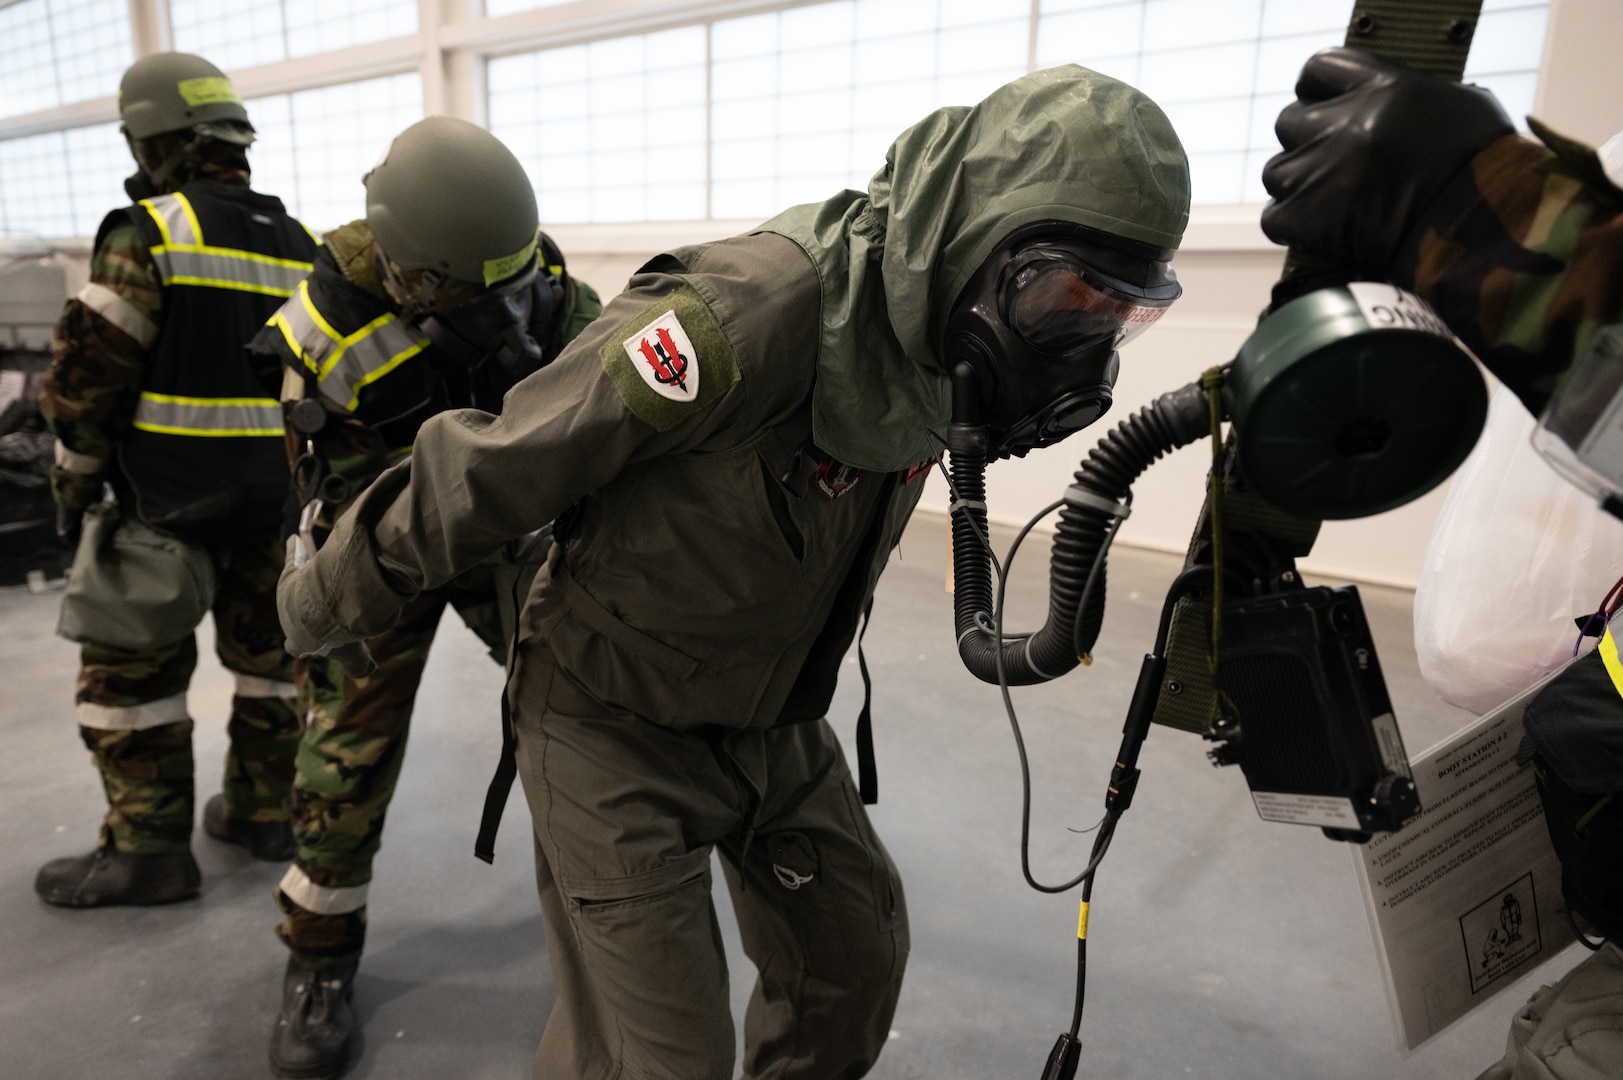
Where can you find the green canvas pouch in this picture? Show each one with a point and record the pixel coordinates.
(132, 586)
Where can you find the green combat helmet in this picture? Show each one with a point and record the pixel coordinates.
(449, 199)
(181, 95)
(173, 91)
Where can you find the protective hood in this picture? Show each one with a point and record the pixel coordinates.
(1066, 144)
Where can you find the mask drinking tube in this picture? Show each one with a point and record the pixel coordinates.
(1102, 483)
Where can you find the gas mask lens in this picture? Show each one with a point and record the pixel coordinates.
(1058, 306)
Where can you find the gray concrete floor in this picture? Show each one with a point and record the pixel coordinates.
(1221, 946)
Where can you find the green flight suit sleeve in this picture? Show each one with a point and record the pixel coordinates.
(475, 481)
(1522, 256)
(99, 355)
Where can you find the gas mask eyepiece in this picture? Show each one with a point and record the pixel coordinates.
(1040, 323)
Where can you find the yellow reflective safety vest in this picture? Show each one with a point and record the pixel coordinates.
(360, 359)
(205, 459)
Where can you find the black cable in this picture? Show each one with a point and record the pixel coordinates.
(1106, 826)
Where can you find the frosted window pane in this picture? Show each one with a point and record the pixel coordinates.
(815, 69)
(1198, 74)
(755, 35)
(611, 131)
(315, 145)
(911, 56)
(245, 33)
(1056, 6)
(1507, 41)
(554, 67)
(744, 158)
(60, 52)
(993, 47)
(822, 111)
(315, 26)
(1253, 191)
(968, 89)
(820, 24)
(241, 34)
(1179, 24)
(1282, 17)
(676, 49)
(1206, 126)
(98, 162)
(731, 79)
(892, 108)
(887, 18)
(1223, 69)
(31, 171)
(744, 199)
(1217, 178)
(740, 119)
(1065, 39)
(1265, 110)
(675, 202)
(974, 12)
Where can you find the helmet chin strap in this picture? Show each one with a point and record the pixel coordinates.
(176, 169)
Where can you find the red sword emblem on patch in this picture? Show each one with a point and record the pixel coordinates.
(670, 366)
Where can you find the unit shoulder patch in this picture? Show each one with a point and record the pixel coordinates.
(671, 360)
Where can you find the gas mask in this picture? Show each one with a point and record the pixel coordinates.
(1031, 343)
(505, 322)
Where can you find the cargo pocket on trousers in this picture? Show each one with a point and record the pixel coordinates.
(654, 925)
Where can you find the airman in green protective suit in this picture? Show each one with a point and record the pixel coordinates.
(742, 435)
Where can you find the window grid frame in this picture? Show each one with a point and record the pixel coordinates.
(1243, 151)
(482, 43)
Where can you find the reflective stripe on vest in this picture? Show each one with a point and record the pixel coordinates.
(171, 414)
(343, 364)
(184, 259)
(1608, 654)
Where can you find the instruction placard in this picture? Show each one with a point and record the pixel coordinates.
(1467, 897)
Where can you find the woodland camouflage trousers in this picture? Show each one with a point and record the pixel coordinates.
(349, 762)
(133, 717)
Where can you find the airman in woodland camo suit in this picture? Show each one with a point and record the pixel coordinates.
(150, 391)
(443, 297)
(1393, 175)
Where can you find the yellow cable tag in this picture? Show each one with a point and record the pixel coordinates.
(1082, 922)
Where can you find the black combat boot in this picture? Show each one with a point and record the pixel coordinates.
(271, 841)
(109, 876)
(313, 1037)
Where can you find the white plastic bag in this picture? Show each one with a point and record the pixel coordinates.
(1517, 553)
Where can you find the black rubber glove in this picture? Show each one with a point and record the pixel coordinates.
(1368, 144)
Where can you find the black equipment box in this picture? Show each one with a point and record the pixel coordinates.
(1317, 739)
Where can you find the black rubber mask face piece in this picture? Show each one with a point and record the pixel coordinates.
(504, 322)
(1040, 323)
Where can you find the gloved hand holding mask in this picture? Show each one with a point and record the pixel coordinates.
(1368, 145)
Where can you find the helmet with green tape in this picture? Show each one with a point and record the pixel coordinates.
(173, 91)
(447, 196)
